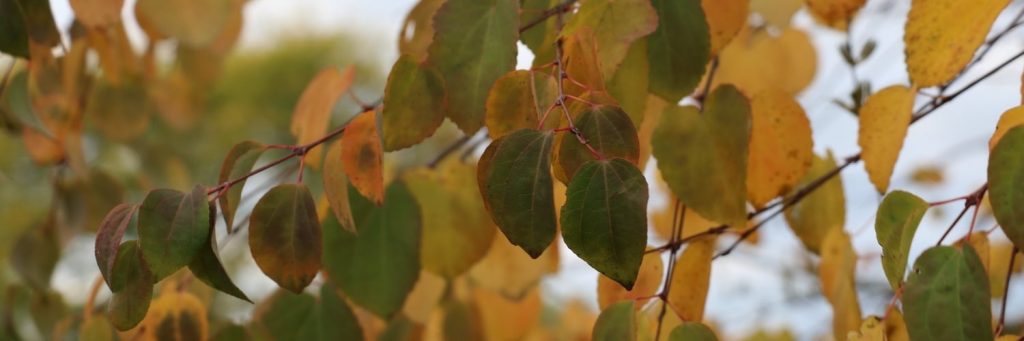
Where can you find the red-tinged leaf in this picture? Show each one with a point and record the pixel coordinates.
(128, 306)
(514, 176)
(362, 156)
(608, 130)
(336, 187)
(13, 33)
(414, 104)
(313, 112)
(237, 163)
(285, 236)
(208, 268)
(173, 228)
(108, 238)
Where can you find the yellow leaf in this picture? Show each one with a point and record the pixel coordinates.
(942, 35)
(998, 263)
(647, 322)
(691, 278)
(336, 188)
(508, 270)
(884, 120)
(313, 112)
(757, 60)
(424, 297)
(872, 329)
(777, 13)
(895, 326)
(652, 115)
(43, 149)
(1011, 118)
(838, 262)
(577, 322)
(174, 316)
(780, 146)
(581, 64)
(725, 19)
(361, 156)
(504, 318)
(979, 241)
(835, 13)
(822, 210)
(518, 100)
(647, 282)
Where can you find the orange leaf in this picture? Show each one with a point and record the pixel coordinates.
(361, 156)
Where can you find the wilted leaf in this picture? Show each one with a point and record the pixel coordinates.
(616, 25)
(313, 112)
(946, 296)
(237, 163)
(285, 236)
(692, 331)
(175, 316)
(608, 130)
(647, 283)
(942, 35)
(895, 225)
(173, 228)
(1005, 179)
(835, 13)
(1011, 118)
(193, 22)
(884, 120)
(820, 211)
(604, 220)
(474, 44)
(377, 267)
(518, 100)
(617, 322)
(514, 176)
(678, 49)
(208, 268)
(414, 104)
(336, 186)
(838, 263)
(725, 18)
(361, 156)
(780, 146)
(128, 306)
(703, 157)
(108, 238)
(691, 279)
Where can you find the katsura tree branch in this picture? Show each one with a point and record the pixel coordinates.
(970, 200)
(559, 9)
(1006, 292)
(678, 217)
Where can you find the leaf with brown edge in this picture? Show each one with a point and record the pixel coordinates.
(336, 186)
(108, 238)
(941, 36)
(519, 99)
(884, 120)
(691, 279)
(780, 146)
(361, 156)
(128, 306)
(413, 106)
(514, 175)
(208, 268)
(608, 130)
(616, 25)
(173, 228)
(313, 112)
(237, 163)
(285, 236)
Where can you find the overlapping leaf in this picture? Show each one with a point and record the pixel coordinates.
(519, 99)
(692, 331)
(678, 49)
(175, 316)
(1011, 118)
(313, 112)
(895, 225)
(884, 120)
(780, 146)
(616, 25)
(1005, 179)
(725, 18)
(128, 305)
(691, 279)
(647, 283)
(304, 317)
(838, 263)
(820, 211)
(207, 266)
(239, 161)
(173, 229)
(414, 104)
(285, 236)
(109, 236)
(336, 186)
(835, 13)
(617, 322)
(362, 157)
(608, 130)
(946, 296)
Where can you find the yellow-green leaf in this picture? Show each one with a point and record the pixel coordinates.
(285, 236)
(780, 146)
(414, 104)
(418, 30)
(617, 322)
(692, 331)
(838, 263)
(518, 100)
(313, 111)
(648, 282)
(616, 25)
(237, 163)
(173, 228)
(895, 225)
(822, 210)
(941, 36)
(884, 120)
(629, 83)
(193, 22)
(1005, 180)
(1011, 118)
(128, 305)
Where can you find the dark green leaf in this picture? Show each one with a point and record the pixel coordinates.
(947, 296)
(604, 219)
(1005, 180)
(514, 175)
(128, 306)
(108, 238)
(173, 228)
(414, 104)
(285, 236)
(895, 225)
(208, 268)
(678, 49)
(13, 33)
(608, 130)
(617, 322)
(238, 163)
(692, 331)
(629, 84)
(377, 267)
(282, 315)
(331, 319)
(35, 254)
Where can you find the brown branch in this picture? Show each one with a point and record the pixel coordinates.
(970, 200)
(1006, 292)
(559, 9)
(678, 217)
(449, 150)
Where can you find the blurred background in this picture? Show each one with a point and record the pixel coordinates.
(768, 288)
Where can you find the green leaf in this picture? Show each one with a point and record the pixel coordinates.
(609, 131)
(288, 316)
(194, 23)
(895, 224)
(1005, 180)
(474, 44)
(47, 309)
(336, 187)
(96, 328)
(703, 156)
(822, 210)
(616, 24)
(109, 236)
(208, 268)
(237, 163)
(173, 228)
(692, 331)
(120, 112)
(377, 267)
(414, 104)
(678, 49)
(13, 33)
(629, 83)
(604, 219)
(35, 253)
(617, 322)
(947, 296)
(285, 236)
(514, 175)
(38, 26)
(541, 37)
(518, 100)
(129, 305)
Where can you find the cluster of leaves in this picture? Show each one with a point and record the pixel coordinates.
(417, 252)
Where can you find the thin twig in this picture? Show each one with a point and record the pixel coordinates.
(559, 9)
(1006, 292)
(678, 217)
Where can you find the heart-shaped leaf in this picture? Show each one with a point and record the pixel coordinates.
(285, 236)
(237, 163)
(947, 297)
(208, 268)
(895, 225)
(173, 228)
(608, 130)
(108, 238)
(128, 305)
(1005, 179)
(514, 176)
(604, 220)
(703, 156)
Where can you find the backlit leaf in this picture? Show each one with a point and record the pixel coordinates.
(108, 238)
(474, 44)
(838, 263)
(128, 306)
(691, 279)
(581, 64)
(835, 13)
(946, 296)
(313, 112)
(780, 146)
(725, 19)
(208, 268)
(678, 49)
(414, 104)
(1005, 179)
(361, 156)
(999, 254)
(193, 22)
(941, 36)
(616, 25)
(377, 267)
(629, 83)
(895, 225)
(1011, 118)
(617, 322)
(285, 236)
(173, 228)
(703, 157)
(648, 282)
(518, 100)
(423, 300)
(759, 60)
(336, 186)
(820, 211)
(884, 120)
(508, 270)
(604, 220)
(237, 163)
(514, 176)
(692, 331)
